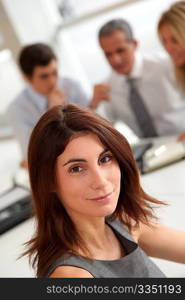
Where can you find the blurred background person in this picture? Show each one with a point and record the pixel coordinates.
(142, 91)
(171, 29)
(44, 89)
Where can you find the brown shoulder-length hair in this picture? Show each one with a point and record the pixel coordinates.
(56, 234)
(174, 17)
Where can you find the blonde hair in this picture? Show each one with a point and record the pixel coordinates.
(174, 17)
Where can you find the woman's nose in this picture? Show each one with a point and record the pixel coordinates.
(98, 179)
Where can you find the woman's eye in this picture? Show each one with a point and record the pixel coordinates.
(106, 158)
(75, 169)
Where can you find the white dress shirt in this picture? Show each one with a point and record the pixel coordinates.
(157, 86)
(27, 108)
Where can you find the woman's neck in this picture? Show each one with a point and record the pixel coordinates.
(92, 230)
(99, 239)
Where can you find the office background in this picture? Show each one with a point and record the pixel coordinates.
(71, 27)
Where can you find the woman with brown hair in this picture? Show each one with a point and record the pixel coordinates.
(172, 35)
(93, 217)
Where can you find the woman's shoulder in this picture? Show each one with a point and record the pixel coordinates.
(70, 272)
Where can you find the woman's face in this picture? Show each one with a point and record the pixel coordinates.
(172, 46)
(88, 178)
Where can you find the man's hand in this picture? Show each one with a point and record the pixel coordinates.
(182, 137)
(24, 164)
(56, 97)
(100, 93)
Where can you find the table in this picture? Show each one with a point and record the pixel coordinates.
(168, 184)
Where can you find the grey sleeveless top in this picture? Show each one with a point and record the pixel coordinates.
(135, 264)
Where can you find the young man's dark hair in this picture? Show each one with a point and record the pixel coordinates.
(33, 55)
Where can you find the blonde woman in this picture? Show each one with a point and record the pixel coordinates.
(171, 29)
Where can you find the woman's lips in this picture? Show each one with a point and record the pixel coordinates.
(102, 198)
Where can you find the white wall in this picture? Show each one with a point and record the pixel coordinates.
(10, 79)
(33, 20)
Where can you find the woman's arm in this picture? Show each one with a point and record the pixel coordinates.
(161, 242)
(70, 272)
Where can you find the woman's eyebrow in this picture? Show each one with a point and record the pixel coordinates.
(72, 160)
(104, 151)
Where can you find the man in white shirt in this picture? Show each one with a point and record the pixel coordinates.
(44, 89)
(153, 78)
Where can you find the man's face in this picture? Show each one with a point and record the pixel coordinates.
(119, 52)
(44, 78)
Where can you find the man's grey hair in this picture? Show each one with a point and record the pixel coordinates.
(114, 25)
